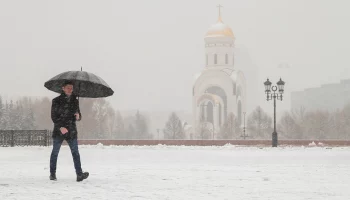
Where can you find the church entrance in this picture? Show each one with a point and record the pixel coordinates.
(222, 108)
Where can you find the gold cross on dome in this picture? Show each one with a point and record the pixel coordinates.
(219, 6)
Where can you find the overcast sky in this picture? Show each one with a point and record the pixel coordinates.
(149, 51)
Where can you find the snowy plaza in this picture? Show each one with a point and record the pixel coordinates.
(178, 172)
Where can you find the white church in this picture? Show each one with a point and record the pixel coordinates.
(220, 88)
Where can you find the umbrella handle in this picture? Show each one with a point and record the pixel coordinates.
(79, 91)
(81, 69)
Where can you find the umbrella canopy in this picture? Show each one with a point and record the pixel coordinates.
(85, 84)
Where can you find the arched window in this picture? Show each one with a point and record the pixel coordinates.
(210, 112)
(202, 114)
(215, 59)
(226, 59)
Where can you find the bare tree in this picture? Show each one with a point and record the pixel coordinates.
(230, 127)
(101, 109)
(41, 109)
(259, 124)
(87, 126)
(318, 124)
(203, 129)
(5, 120)
(340, 123)
(299, 114)
(119, 131)
(173, 128)
(2, 112)
(289, 128)
(345, 122)
(18, 115)
(141, 126)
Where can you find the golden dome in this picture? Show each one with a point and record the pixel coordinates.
(219, 30)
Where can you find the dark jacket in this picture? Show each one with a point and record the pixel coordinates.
(62, 115)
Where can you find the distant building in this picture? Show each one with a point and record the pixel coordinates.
(330, 97)
(220, 88)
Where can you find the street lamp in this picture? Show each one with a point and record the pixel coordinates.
(274, 95)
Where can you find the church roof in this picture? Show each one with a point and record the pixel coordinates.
(219, 29)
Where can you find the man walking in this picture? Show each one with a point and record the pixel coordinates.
(64, 114)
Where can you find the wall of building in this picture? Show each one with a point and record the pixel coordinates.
(328, 97)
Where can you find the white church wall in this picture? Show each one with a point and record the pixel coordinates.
(214, 77)
(211, 78)
(254, 84)
(221, 52)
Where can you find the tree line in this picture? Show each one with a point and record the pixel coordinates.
(295, 124)
(102, 121)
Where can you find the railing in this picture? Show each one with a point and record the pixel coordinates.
(25, 138)
(245, 142)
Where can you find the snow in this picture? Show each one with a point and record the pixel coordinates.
(179, 172)
(312, 144)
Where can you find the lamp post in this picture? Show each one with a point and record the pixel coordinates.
(274, 95)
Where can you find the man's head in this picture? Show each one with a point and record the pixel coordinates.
(68, 88)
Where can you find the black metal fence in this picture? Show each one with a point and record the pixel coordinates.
(11, 138)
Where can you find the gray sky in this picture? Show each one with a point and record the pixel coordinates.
(149, 51)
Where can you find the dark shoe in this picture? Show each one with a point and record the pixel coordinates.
(53, 177)
(82, 176)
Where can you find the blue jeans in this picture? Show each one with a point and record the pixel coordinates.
(73, 145)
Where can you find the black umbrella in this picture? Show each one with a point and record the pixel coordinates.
(85, 84)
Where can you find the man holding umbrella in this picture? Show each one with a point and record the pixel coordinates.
(64, 113)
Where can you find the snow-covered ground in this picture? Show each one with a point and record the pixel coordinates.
(179, 173)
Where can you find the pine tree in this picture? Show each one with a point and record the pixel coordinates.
(29, 120)
(141, 128)
(131, 132)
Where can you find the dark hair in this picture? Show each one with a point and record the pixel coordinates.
(67, 83)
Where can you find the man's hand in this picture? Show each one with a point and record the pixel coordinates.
(63, 130)
(77, 116)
